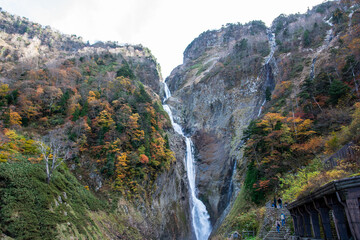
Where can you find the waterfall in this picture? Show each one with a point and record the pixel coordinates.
(231, 184)
(260, 110)
(200, 216)
(268, 58)
(272, 45)
(312, 71)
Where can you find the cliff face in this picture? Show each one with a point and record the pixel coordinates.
(171, 199)
(230, 76)
(216, 92)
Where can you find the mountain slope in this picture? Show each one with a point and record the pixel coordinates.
(267, 100)
(217, 91)
(100, 102)
(307, 116)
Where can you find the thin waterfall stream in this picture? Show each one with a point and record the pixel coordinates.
(268, 58)
(200, 217)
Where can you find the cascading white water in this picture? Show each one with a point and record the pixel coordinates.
(260, 110)
(231, 184)
(200, 216)
(272, 45)
(312, 71)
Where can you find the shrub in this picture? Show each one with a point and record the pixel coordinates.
(337, 90)
(306, 38)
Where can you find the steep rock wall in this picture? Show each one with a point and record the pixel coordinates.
(217, 91)
(171, 199)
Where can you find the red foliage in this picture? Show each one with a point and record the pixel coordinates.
(144, 159)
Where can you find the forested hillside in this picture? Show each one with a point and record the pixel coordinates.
(79, 132)
(311, 116)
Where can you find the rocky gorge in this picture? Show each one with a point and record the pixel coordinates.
(169, 158)
(215, 101)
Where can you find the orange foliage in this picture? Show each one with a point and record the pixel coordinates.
(312, 145)
(144, 159)
(281, 88)
(15, 118)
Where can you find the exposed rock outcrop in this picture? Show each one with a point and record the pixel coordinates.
(171, 200)
(216, 93)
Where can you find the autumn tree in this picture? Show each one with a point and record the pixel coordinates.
(276, 144)
(15, 118)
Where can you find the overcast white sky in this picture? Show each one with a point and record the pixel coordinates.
(164, 26)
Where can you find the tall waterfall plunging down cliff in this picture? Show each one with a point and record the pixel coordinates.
(199, 214)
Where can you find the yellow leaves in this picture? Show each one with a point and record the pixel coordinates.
(170, 158)
(4, 156)
(73, 107)
(270, 121)
(121, 168)
(121, 160)
(133, 121)
(304, 126)
(114, 147)
(314, 176)
(301, 127)
(134, 128)
(16, 146)
(93, 96)
(11, 134)
(126, 84)
(332, 144)
(104, 119)
(30, 146)
(35, 160)
(319, 179)
(4, 89)
(137, 135)
(121, 176)
(156, 163)
(346, 134)
(15, 118)
(150, 110)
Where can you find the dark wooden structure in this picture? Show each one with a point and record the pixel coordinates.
(346, 152)
(330, 212)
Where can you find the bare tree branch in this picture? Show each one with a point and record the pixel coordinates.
(55, 149)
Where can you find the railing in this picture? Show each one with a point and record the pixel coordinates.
(346, 151)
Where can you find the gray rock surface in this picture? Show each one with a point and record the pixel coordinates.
(215, 96)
